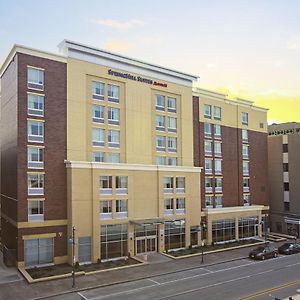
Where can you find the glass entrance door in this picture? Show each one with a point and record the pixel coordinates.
(145, 244)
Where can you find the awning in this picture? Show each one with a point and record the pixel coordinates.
(149, 222)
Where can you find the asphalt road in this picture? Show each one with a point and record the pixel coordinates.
(242, 279)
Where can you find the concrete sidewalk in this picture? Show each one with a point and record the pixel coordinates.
(23, 290)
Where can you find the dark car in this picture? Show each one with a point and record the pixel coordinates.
(289, 248)
(264, 252)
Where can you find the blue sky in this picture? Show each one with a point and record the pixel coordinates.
(244, 48)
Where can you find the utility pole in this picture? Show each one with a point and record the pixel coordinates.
(73, 257)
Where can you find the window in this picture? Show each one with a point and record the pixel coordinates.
(113, 241)
(218, 166)
(172, 104)
(180, 185)
(246, 199)
(208, 184)
(98, 157)
(121, 209)
(172, 144)
(114, 138)
(217, 131)
(208, 201)
(169, 206)
(172, 161)
(35, 79)
(160, 123)
(245, 135)
(218, 184)
(246, 184)
(218, 148)
(113, 157)
(35, 157)
(172, 124)
(160, 160)
(285, 148)
(261, 125)
(35, 131)
(286, 206)
(36, 184)
(113, 116)
(218, 201)
(98, 136)
(285, 167)
(175, 235)
(208, 147)
(207, 111)
(98, 90)
(247, 227)
(98, 113)
(160, 143)
(35, 211)
(121, 185)
(286, 186)
(245, 167)
(217, 113)
(245, 151)
(160, 102)
(35, 105)
(113, 93)
(207, 129)
(180, 206)
(223, 230)
(105, 185)
(244, 118)
(105, 210)
(84, 249)
(208, 166)
(168, 185)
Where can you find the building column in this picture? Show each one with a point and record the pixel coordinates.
(187, 235)
(237, 228)
(161, 238)
(259, 225)
(209, 232)
(131, 240)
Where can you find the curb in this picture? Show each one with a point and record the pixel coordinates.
(76, 290)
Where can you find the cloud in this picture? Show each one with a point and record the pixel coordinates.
(115, 24)
(118, 45)
(293, 43)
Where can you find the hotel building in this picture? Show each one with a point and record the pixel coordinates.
(97, 141)
(284, 170)
(230, 142)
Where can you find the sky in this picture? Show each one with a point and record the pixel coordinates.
(246, 49)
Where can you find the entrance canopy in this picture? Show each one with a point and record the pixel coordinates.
(148, 222)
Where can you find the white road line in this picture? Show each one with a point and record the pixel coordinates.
(153, 281)
(206, 270)
(82, 296)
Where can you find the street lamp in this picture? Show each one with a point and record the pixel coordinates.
(72, 242)
(202, 249)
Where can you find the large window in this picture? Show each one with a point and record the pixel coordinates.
(218, 148)
(245, 151)
(223, 230)
(247, 227)
(208, 166)
(121, 209)
(207, 129)
(218, 184)
(180, 206)
(208, 147)
(113, 241)
(35, 78)
(160, 143)
(168, 185)
(98, 113)
(35, 105)
(245, 135)
(180, 185)
(209, 201)
(218, 166)
(168, 207)
(207, 111)
(113, 115)
(160, 102)
(217, 113)
(246, 184)
(35, 184)
(105, 209)
(35, 131)
(172, 144)
(114, 138)
(172, 124)
(35, 210)
(160, 160)
(113, 93)
(35, 157)
(244, 118)
(121, 185)
(175, 235)
(160, 123)
(113, 157)
(105, 185)
(98, 90)
(218, 201)
(245, 167)
(217, 131)
(98, 157)
(208, 184)
(172, 104)
(246, 198)
(172, 161)
(98, 136)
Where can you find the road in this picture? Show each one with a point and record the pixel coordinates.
(243, 279)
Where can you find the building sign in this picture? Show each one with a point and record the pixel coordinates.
(136, 78)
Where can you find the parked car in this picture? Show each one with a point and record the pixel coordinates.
(289, 248)
(264, 252)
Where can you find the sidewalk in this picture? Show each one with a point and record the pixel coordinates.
(22, 290)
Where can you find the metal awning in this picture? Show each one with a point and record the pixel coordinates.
(148, 222)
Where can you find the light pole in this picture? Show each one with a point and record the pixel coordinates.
(73, 257)
(202, 249)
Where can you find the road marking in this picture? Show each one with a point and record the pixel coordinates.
(153, 281)
(280, 287)
(82, 296)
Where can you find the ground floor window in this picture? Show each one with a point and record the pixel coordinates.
(113, 241)
(84, 249)
(144, 230)
(293, 229)
(223, 230)
(248, 227)
(38, 252)
(194, 235)
(175, 235)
